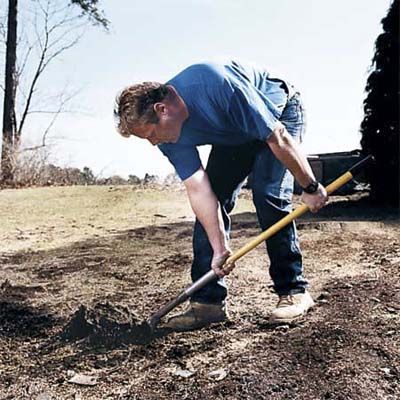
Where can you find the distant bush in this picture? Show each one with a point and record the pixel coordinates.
(150, 179)
(87, 176)
(172, 180)
(115, 180)
(32, 168)
(134, 180)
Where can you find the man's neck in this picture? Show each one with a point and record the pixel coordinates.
(179, 105)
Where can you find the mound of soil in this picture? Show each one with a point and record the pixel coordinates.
(106, 325)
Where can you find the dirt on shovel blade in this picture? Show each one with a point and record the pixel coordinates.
(108, 325)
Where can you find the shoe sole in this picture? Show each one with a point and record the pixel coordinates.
(287, 321)
(193, 327)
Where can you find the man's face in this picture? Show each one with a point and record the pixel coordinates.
(166, 130)
(154, 133)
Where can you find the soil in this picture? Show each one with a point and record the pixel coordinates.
(76, 311)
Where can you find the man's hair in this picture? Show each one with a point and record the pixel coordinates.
(134, 105)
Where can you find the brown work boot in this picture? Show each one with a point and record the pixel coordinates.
(196, 316)
(291, 307)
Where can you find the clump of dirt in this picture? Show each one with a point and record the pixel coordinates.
(10, 292)
(106, 325)
(175, 260)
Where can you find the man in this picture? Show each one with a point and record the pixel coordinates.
(254, 123)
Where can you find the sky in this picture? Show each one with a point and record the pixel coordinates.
(323, 47)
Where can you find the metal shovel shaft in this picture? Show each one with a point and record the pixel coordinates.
(211, 275)
(182, 297)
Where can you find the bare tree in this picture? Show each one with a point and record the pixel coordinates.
(9, 124)
(50, 28)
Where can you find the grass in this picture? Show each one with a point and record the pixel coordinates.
(44, 218)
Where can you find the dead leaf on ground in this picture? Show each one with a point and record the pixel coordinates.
(184, 373)
(218, 374)
(84, 380)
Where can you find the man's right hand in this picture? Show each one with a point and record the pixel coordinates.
(316, 200)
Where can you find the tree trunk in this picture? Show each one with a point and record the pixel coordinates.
(9, 122)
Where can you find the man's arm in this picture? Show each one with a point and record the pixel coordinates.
(288, 153)
(207, 210)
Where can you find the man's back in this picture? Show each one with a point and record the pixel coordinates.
(234, 74)
(229, 104)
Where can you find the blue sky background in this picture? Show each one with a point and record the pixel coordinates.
(323, 47)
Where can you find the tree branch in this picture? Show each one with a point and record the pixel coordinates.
(90, 9)
(52, 25)
(24, 61)
(30, 94)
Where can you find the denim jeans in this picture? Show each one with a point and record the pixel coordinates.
(272, 189)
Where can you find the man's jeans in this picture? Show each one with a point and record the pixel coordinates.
(272, 186)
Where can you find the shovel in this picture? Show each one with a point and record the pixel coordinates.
(148, 327)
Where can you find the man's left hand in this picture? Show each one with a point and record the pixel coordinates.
(218, 262)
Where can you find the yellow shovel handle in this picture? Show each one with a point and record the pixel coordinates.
(336, 184)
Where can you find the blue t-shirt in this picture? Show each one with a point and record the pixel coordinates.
(229, 104)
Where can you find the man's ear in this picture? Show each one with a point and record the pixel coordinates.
(160, 109)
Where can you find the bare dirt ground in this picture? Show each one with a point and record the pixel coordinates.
(122, 253)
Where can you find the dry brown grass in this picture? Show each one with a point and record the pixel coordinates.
(45, 218)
